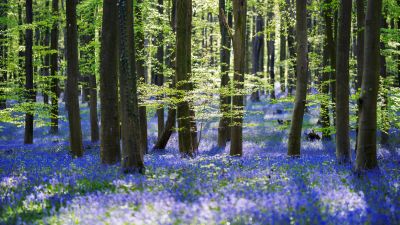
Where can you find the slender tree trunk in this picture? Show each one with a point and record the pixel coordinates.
(54, 70)
(94, 121)
(183, 70)
(360, 51)
(132, 157)
(158, 69)
(30, 93)
(258, 56)
(383, 72)
(46, 60)
(271, 54)
(72, 81)
(3, 53)
(282, 54)
(292, 50)
(140, 69)
(239, 49)
(301, 83)
(225, 56)
(342, 83)
(324, 113)
(366, 152)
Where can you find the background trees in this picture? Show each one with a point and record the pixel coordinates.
(197, 84)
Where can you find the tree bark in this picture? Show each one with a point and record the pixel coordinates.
(183, 70)
(292, 50)
(225, 57)
(72, 81)
(3, 53)
(282, 53)
(258, 54)
(54, 70)
(132, 157)
(294, 142)
(30, 93)
(239, 51)
(140, 69)
(324, 113)
(360, 51)
(342, 83)
(366, 151)
(159, 69)
(383, 72)
(110, 135)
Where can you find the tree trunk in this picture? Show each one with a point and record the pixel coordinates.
(324, 113)
(225, 56)
(292, 51)
(282, 54)
(72, 81)
(383, 71)
(54, 70)
(239, 50)
(140, 69)
(46, 61)
(110, 136)
(132, 157)
(183, 70)
(258, 56)
(294, 142)
(342, 83)
(366, 151)
(3, 53)
(360, 51)
(30, 93)
(158, 69)
(271, 54)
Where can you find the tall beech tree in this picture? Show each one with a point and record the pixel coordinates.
(342, 83)
(366, 147)
(239, 51)
(294, 142)
(140, 69)
(30, 92)
(110, 137)
(183, 73)
(54, 69)
(225, 18)
(132, 156)
(74, 118)
(292, 48)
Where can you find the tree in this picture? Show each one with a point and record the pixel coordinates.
(54, 70)
(258, 53)
(225, 57)
(110, 137)
(183, 71)
(342, 83)
(74, 119)
(132, 156)
(30, 93)
(140, 69)
(301, 83)
(282, 51)
(271, 51)
(360, 50)
(292, 49)
(3, 51)
(366, 147)
(239, 50)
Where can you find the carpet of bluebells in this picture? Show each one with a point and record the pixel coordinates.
(43, 184)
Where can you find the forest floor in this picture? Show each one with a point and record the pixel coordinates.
(42, 184)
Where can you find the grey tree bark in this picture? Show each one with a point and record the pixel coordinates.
(366, 149)
(294, 142)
